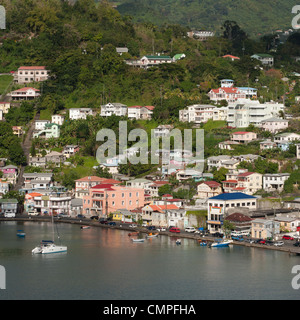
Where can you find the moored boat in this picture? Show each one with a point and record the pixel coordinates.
(84, 227)
(150, 235)
(178, 241)
(202, 243)
(48, 246)
(133, 234)
(21, 234)
(138, 240)
(221, 243)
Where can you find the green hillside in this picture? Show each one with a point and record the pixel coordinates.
(254, 16)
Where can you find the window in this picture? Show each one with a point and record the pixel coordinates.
(123, 195)
(113, 203)
(123, 203)
(129, 194)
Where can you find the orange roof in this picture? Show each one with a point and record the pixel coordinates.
(33, 194)
(111, 181)
(32, 68)
(91, 178)
(26, 89)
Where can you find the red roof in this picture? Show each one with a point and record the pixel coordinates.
(238, 217)
(111, 181)
(245, 174)
(103, 186)
(230, 181)
(212, 184)
(230, 56)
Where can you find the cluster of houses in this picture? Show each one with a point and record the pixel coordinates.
(132, 200)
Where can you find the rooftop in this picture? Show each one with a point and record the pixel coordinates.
(232, 196)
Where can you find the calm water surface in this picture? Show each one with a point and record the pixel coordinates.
(104, 264)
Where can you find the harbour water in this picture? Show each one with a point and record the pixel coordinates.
(104, 264)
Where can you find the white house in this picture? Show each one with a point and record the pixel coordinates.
(208, 189)
(140, 112)
(57, 119)
(37, 181)
(245, 112)
(80, 113)
(40, 124)
(274, 181)
(265, 59)
(202, 113)
(26, 93)
(115, 108)
(162, 130)
(27, 74)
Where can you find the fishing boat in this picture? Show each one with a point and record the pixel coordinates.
(138, 240)
(178, 241)
(133, 234)
(21, 234)
(221, 243)
(84, 227)
(48, 246)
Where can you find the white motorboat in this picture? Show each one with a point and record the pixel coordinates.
(48, 246)
(221, 243)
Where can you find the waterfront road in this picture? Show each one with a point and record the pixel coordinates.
(287, 247)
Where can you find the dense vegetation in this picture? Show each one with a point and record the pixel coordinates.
(252, 15)
(77, 42)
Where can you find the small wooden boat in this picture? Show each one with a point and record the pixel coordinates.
(133, 234)
(84, 227)
(21, 234)
(138, 240)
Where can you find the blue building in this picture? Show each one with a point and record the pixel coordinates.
(221, 205)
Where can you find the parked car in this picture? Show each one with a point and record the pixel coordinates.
(80, 216)
(262, 241)
(286, 237)
(132, 226)
(237, 238)
(278, 243)
(296, 244)
(218, 234)
(103, 221)
(94, 217)
(151, 228)
(190, 229)
(269, 242)
(161, 229)
(111, 223)
(174, 230)
(249, 240)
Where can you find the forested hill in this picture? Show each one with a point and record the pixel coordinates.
(254, 16)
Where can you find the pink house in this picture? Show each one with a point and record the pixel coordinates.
(104, 199)
(274, 124)
(243, 136)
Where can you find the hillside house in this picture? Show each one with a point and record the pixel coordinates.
(27, 74)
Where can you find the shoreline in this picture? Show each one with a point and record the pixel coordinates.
(124, 227)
